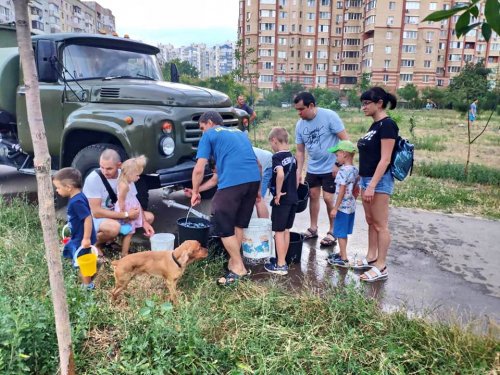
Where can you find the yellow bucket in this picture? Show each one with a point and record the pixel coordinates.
(87, 262)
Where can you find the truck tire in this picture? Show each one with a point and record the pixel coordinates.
(87, 159)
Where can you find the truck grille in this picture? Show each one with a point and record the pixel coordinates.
(110, 92)
(192, 132)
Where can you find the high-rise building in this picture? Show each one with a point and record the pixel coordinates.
(327, 43)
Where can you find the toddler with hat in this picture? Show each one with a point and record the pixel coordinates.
(344, 201)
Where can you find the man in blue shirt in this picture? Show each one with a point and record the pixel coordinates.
(317, 130)
(238, 181)
(241, 104)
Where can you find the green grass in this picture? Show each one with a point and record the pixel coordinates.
(257, 328)
(477, 173)
(430, 143)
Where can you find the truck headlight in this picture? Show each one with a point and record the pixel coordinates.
(167, 146)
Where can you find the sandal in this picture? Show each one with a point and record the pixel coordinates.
(379, 275)
(232, 278)
(365, 264)
(328, 240)
(310, 233)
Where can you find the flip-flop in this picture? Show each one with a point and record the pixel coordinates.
(310, 233)
(231, 278)
(328, 240)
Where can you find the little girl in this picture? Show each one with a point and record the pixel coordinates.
(131, 170)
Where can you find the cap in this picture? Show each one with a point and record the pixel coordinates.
(343, 146)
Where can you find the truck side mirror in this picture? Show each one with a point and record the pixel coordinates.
(46, 56)
(174, 73)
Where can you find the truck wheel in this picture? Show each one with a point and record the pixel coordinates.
(87, 158)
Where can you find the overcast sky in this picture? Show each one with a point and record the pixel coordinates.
(177, 22)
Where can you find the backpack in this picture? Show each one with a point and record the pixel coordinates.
(402, 161)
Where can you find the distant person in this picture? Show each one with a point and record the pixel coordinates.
(102, 201)
(241, 104)
(377, 183)
(473, 111)
(316, 131)
(238, 182)
(131, 171)
(284, 203)
(68, 183)
(344, 201)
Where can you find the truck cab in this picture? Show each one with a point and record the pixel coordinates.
(101, 91)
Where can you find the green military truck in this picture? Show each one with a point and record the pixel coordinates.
(100, 91)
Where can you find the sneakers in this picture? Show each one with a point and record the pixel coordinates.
(339, 262)
(274, 268)
(90, 286)
(332, 257)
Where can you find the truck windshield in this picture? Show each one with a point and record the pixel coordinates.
(90, 62)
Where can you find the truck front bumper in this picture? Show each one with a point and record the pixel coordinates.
(181, 174)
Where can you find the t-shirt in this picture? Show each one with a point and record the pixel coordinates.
(264, 157)
(94, 188)
(370, 146)
(78, 210)
(347, 176)
(473, 108)
(318, 135)
(285, 160)
(234, 158)
(246, 108)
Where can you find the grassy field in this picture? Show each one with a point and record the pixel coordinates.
(257, 328)
(440, 137)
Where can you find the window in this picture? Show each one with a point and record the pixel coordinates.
(308, 80)
(453, 69)
(352, 16)
(335, 80)
(425, 78)
(432, 6)
(282, 41)
(321, 79)
(322, 54)
(248, 28)
(454, 57)
(282, 2)
(283, 15)
(323, 28)
(311, 3)
(265, 2)
(324, 15)
(266, 52)
(388, 50)
(407, 63)
(351, 42)
(371, 5)
(265, 78)
(442, 45)
(335, 68)
(412, 20)
(309, 42)
(350, 66)
(392, 5)
(367, 63)
(325, 2)
(368, 48)
(268, 65)
(390, 20)
(266, 26)
(388, 35)
(428, 50)
(427, 63)
(410, 35)
(350, 54)
(308, 67)
(440, 82)
(338, 30)
(322, 41)
(387, 63)
(321, 66)
(282, 54)
(429, 35)
(283, 28)
(266, 13)
(308, 55)
(409, 48)
(386, 78)
(310, 16)
(468, 58)
(370, 20)
(280, 79)
(412, 5)
(406, 77)
(455, 44)
(339, 5)
(267, 39)
(310, 29)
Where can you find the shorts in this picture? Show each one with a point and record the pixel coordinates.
(472, 117)
(384, 186)
(232, 207)
(266, 178)
(343, 224)
(283, 216)
(325, 180)
(97, 222)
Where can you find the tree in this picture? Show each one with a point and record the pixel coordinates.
(46, 208)
(184, 67)
(409, 93)
(470, 12)
(471, 83)
(247, 64)
(225, 84)
(326, 98)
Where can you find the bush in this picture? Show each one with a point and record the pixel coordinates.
(477, 173)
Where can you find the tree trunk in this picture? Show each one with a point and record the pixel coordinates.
(46, 209)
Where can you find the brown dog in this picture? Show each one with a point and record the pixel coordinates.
(168, 264)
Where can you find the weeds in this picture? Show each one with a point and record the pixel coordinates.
(430, 143)
(258, 327)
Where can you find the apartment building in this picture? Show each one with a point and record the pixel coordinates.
(329, 43)
(54, 16)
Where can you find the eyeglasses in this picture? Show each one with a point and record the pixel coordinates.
(365, 103)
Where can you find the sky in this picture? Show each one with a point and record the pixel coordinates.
(178, 22)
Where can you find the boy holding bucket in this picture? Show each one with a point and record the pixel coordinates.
(68, 183)
(284, 190)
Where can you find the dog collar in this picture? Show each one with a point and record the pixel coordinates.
(175, 260)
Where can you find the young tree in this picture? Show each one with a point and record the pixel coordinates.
(409, 93)
(247, 67)
(46, 209)
(184, 68)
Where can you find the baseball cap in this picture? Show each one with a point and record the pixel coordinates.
(343, 146)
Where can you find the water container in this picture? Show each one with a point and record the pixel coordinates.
(162, 241)
(86, 262)
(188, 232)
(257, 239)
(294, 248)
(303, 195)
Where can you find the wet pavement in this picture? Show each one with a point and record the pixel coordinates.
(441, 266)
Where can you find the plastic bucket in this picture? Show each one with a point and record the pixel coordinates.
(303, 195)
(257, 239)
(87, 262)
(295, 248)
(194, 228)
(162, 241)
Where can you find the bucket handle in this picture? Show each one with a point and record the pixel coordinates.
(92, 247)
(66, 226)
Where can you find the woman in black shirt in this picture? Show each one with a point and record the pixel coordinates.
(377, 183)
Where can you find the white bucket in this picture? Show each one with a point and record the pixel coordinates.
(258, 239)
(162, 241)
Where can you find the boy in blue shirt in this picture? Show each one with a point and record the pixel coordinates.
(68, 183)
(344, 201)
